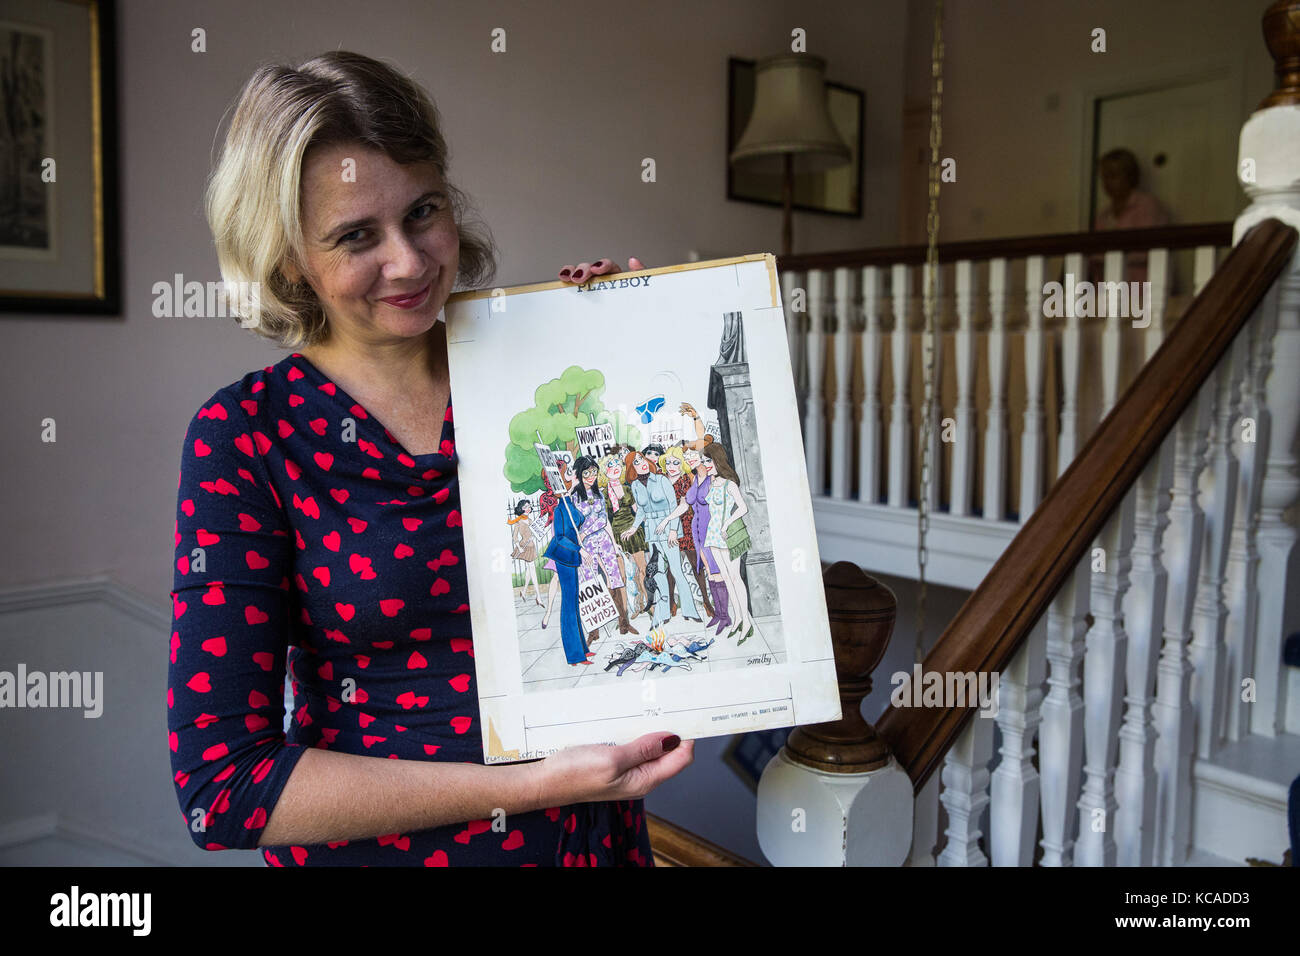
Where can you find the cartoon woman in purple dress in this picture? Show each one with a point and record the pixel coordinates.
(598, 541)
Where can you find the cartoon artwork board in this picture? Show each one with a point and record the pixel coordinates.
(639, 533)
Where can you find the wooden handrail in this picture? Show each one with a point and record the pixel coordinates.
(1001, 612)
(674, 846)
(1052, 244)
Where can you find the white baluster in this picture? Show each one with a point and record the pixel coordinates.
(963, 449)
(1031, 442)
(869, 429)
(1067, 442)
(1158, 302)
(1240, 592)
(815, 424)
(1276, 536)
(1208, 652)
(1144, 617)
(936, 413)
(1202, 267)
(925, 824)
(1014, 789)
(842, 411)
(1105, 657)
(1110, 334)
(900, 417)
(966, 791)
(791, 290)
(1172, 712)
(995, 431)
(1060, 736)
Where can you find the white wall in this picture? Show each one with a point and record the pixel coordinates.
(1020, 159)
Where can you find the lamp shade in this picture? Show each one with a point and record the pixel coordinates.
(790, 116)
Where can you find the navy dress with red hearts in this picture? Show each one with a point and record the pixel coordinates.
(308, 539)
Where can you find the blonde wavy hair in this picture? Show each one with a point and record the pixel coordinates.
(253, 200)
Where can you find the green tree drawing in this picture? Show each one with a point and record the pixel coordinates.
(561, 406)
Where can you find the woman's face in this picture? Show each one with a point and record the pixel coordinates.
(613, 472)
(673, 467)
(528, 509)
(692, 459)
(707, 462)
(589, 477)
(640, 465)
(381, 251)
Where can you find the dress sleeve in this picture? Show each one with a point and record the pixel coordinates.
(230, 632)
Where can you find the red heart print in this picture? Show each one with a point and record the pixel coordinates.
(216, 752)
(183, 564)
(390, 606)
(365, 720)
(358, 411)
(408, 700)
(514, 841)
(460, 682)
(214, 595)
(441, 495)
(338, 636)
(357, 525)
(292, 470)
(256, 561)
(216, 646)
(345, 611)
(460, 724)
(205, 539)
(339, 494)
(296, 400)
(326, 670)
(371, 473)
(422, 634)
(176, 642)
(254, 615)
(403, 551)
(187, 506)
(406, 460)
(327, 388)
(247, 523)
(245, 444)
(318, 425)
(331, 541)
(322, 574)
(256, 699)
(299, 854)
(453, 519)
(261, 769)
(370, 740)
(295, 373)
(255, 722)
(202, 720)
(416, 661)
(324, 460)
(250, 406)
(256, 821)
(201, 448)
(363, 661)
(439, 858)
(173, 741)
(200, 683)
(223, 487)
(284, 428)
(440, 586)
(263, 443)
(462, 644)
(432, 749)
(412, 524)
(264, 660)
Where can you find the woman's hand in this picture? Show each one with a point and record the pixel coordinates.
(601, 267)
(598, 773)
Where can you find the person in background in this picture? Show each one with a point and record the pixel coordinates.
(1128, 208)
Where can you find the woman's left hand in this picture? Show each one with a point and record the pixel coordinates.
(601, 267)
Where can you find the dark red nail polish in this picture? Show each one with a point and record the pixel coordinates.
(670, 743)
(564, 273)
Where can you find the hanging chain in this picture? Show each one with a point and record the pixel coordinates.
(929, 338)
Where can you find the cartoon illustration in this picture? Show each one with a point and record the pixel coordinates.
(658, 523)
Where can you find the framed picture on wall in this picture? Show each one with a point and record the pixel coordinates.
(836, 191)
(58, 157)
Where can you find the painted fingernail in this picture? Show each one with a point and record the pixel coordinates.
(564, 273)
(670, 743)
(598, 264)
(577, 275)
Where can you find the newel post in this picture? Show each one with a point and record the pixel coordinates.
(834, 795)
(1269, 171)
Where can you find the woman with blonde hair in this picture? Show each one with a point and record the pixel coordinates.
(322, 495)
